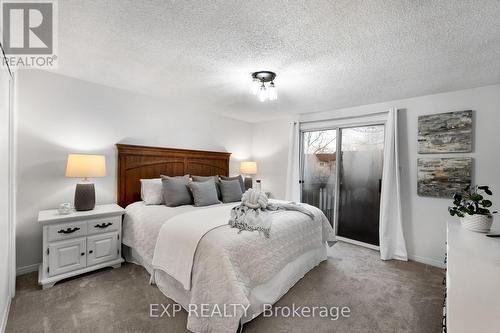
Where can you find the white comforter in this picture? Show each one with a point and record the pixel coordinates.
(227, 265)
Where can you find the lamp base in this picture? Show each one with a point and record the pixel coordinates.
(248, 183)
(84, 197)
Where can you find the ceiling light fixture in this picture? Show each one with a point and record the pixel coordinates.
(259, 80)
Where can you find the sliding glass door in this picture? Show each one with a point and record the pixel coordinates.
(360, 183)
(319, 170)
(341, 172)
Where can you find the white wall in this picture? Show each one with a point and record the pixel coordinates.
(270, 150)
(424, 218)
(58, 115)
(5, 200)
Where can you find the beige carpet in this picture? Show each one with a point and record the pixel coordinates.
(383, 297)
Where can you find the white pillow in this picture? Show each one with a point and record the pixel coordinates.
(152, 191)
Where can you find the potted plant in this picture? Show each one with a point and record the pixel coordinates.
(472, 208)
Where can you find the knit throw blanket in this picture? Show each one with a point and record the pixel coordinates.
(253, 214)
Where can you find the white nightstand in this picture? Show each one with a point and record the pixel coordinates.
(79, 242)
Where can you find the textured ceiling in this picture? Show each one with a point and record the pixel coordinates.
(327, 54)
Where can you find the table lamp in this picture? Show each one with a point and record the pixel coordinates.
(248, 168)
(85, 166)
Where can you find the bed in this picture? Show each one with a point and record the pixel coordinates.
(241, 269)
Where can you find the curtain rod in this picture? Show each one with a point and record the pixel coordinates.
(342, 118)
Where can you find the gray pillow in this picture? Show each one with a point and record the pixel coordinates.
(205, 178)
(239, 178)
(204, 193)
(231, 190)
(176, 191)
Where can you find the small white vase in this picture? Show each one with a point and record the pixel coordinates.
(478, 223)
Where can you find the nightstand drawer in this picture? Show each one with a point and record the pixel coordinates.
(103, 225)
(67, 230)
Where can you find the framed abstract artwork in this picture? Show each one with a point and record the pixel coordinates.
(449, 132)
(443, 177)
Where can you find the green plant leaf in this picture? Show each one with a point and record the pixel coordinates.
(486, 203)
(470, 202)
(476, 197)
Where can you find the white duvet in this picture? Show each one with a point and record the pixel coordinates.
(228, 264)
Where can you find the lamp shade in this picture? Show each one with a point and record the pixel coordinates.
(83, 166)
(248, 168)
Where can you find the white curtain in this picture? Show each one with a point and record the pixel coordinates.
(293, 173)
(392, 242)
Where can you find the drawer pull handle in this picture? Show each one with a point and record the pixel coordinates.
(68, 231)
(83, 253)
(103, 225)
(91, 251)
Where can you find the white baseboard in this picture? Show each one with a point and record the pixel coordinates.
(5, 316)
(423, 260)
(427, 261)
(27, 269)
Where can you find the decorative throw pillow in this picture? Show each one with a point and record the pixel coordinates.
(231, 190)
(204, 193)
(205, 178)
(176, 191)
(239, 178)
(152, 191)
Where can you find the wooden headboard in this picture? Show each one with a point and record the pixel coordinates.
(140, 162)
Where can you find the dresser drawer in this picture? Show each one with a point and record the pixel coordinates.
(101, 225)
(67, 230)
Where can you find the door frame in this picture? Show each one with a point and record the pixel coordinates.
(12, 183)
(342, 124)
(11, 200)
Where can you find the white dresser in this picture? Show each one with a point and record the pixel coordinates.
(472, 280)
(79, 242)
